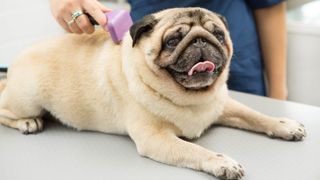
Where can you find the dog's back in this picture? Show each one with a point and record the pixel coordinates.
(66, 76)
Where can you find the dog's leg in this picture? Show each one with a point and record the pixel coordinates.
(239, 116)
(158, 141)
(25, 121)
(25, 125)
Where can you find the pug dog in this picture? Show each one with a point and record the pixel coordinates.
(165, 80)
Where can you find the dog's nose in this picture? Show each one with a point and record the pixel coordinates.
(199, 42)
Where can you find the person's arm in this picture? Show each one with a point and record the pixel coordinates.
(271, 24)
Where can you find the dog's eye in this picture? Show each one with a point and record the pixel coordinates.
(219, 35)
(173, 42)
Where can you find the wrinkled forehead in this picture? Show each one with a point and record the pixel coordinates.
(191, 16)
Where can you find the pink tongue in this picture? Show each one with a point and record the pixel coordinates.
(205, 66)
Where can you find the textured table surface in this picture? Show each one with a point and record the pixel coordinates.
(63, 153)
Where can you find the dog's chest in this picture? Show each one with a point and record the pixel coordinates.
(193, 125)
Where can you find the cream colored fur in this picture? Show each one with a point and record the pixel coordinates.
(90, 83)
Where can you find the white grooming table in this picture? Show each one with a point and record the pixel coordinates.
(61, 153)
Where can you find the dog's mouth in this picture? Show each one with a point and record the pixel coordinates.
(197, 71)
(199, 76)
(202, 67)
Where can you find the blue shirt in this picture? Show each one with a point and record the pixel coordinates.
(246, 71)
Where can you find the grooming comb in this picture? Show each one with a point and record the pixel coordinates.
(119, 22)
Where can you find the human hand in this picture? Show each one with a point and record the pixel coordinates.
(62, 11)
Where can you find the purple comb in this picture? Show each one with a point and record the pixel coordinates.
(119, 22)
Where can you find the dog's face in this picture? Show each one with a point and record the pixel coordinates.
(192, 45)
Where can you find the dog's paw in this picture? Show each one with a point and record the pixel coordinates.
(30, 126)
(287, 129)
(224, 167)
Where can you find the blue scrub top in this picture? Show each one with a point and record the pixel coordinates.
(246, 71)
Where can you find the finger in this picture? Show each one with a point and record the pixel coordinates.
(68, 18)
(73, 26)
(84, 24)
(63, 23)
(95, 11)
(104, 8)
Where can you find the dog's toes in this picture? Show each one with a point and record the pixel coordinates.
(297, 136)
(288, 129)
(224, 167)
(30, 126)
(235, 172)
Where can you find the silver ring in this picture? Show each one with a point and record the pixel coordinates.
(76, 14)
(70, 22)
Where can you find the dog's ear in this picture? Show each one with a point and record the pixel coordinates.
(143, 26)
(224, 20)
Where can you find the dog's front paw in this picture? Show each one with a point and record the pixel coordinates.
(287, 129)
(223, 167)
